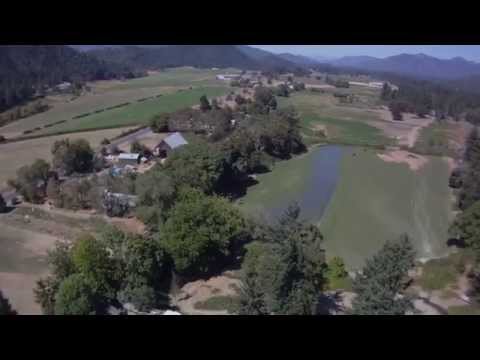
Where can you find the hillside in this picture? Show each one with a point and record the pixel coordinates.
(418, 65)
(24, 70)
(222, 56)
(298, 59)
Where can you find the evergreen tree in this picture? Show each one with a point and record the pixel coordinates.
(5, 307)
(379, 286)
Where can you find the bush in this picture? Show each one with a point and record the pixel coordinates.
(75, 297)
(142, 297)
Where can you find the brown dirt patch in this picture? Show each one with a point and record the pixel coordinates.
(414, 161)
(201, 290)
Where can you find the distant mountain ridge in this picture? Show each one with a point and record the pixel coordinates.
(158, 56)
(415, 65)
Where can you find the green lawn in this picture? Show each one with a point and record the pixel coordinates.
(375, 201)
(137, 112)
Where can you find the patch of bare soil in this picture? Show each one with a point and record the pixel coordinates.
(414, 161)
(18, 288)
(406, 132)
(201, 290)
(131, 225)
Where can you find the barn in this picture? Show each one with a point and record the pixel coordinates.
(170, 143)
(128, 159)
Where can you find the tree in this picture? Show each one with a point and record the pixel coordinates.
(31, 181)
(386, 94)
(75, 156)
(90, 258)
(160, 123)
(379, 286)
(204, 104)
(198, 165)
(3, 204)
(75, 297)
(156, 193)
(200, 232)
(472, 147)
(466, 228)
(5, 307)
(240, 100)
(105, 142)
(264, 97)
(284, 273)
(53, 192)
(282, 90)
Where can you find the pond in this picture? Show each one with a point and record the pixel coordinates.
(309, 180)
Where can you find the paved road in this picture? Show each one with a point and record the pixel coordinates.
(132, 137)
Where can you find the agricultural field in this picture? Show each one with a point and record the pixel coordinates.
(16, 154)
(105, 94)
(136, 113)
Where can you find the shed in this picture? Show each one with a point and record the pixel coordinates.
(171, 142)
(128, 159)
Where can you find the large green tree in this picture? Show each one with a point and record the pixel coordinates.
(380, 285)
(31, 181)
(75, 296)
(466, 227)
(73, 156)
(200, 232)
(156, 194)
(198, 165)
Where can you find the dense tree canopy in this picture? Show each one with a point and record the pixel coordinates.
(198, 165)
(31, 181)
(284, 272)
(379, 286)
(200, 232)
(75, 156)
(75, 297)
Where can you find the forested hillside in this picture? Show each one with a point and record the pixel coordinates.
(26, 70)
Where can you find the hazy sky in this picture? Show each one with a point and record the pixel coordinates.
(469, 52)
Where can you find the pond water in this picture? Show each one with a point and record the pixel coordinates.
(317, 187)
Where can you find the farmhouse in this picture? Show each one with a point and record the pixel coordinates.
(128, 159)
(168, 144)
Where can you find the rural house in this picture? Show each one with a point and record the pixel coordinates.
(168, 144)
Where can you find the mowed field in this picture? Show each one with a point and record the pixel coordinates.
(105, 94)
(376, 201)
(16, 154)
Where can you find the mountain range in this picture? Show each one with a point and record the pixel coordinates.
(159, 56)
(415, 65)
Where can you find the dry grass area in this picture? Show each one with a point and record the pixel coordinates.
(414, 161)
(22, 264)
(16, 154)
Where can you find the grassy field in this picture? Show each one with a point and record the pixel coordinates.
(219, 302)
(437, 139)
(16, 154)
(344, 124)
(377, 201)
(105, 94)
(464, 310)
(270, 192)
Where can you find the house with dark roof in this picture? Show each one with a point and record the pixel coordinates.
(170, 143)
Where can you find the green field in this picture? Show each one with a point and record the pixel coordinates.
(344, 124)
(377, 201)
(137, 113)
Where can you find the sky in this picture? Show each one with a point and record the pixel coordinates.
(469, 52)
